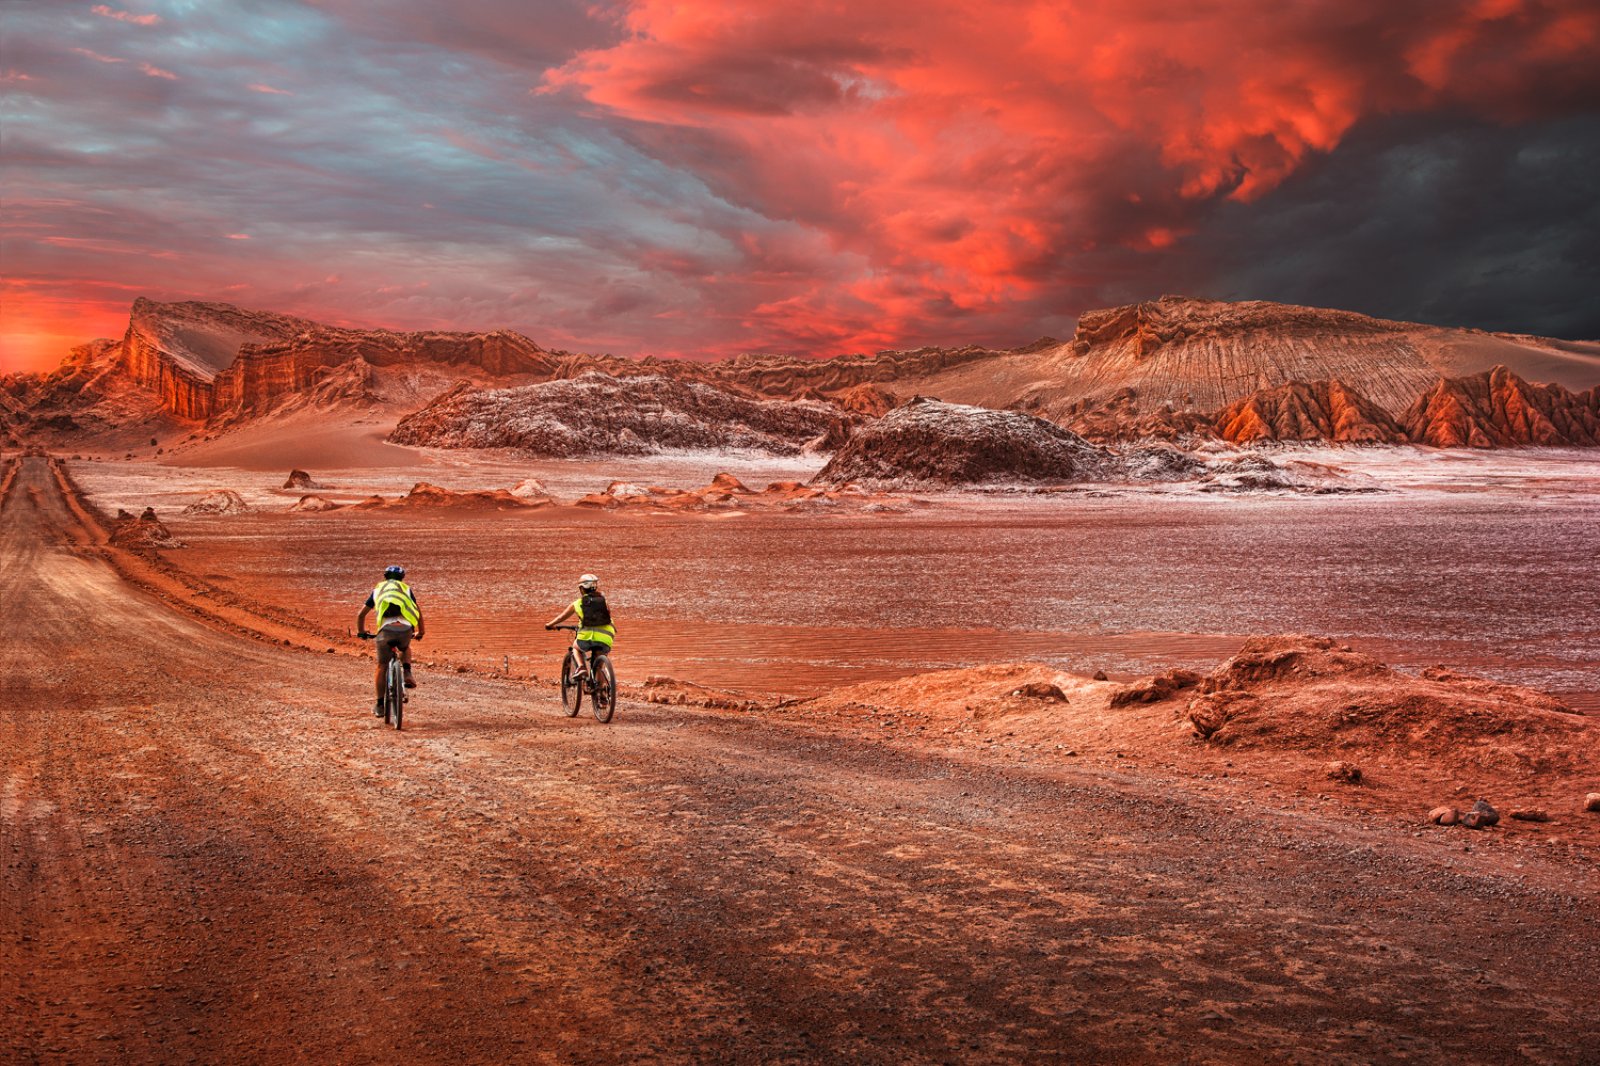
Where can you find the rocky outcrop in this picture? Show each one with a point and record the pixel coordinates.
(598, 414)
(1313, 693)
(1298, 411)
(141, 532)
(425, 495)
(300, 479)
(1122, 417)
(208, 360)
(934, 443)
(727, 495)
(1499, 409)
(219, 502)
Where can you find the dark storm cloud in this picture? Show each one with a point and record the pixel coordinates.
(1453, 223)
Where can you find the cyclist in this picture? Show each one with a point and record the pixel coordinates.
(595, 631)
(399, 620)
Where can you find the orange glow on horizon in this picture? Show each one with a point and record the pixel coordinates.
(37, 335)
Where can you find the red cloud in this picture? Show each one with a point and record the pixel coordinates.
(126, 16)
(963, 155)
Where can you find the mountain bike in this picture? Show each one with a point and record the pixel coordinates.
(394, 688)
(600, 683)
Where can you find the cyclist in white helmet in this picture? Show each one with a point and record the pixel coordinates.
(595, 631)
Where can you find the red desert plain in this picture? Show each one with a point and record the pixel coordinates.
(1213, 680)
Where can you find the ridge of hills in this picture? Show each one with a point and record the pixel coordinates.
(1248, 372)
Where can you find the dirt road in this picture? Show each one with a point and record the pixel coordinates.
(213, 852)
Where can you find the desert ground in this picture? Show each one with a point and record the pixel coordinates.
(213, 851)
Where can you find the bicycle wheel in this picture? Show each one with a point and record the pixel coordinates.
(604, 700)
(397, 691)
(571, 687)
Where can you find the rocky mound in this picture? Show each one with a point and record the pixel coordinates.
(729, 495)
(1318, 411)
(1312, 693)
(933, 443)
(1499, 409)
(597, 414)
(314, 505)
(141, 532)
(423, 494)
(299, 479)
(218, 502)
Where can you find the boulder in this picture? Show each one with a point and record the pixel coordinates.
(219, 501)
(529, 488)
(1591, 802)
(1444, 816)
(1041, 690)
(314, 504)
(927, 442)
(1347, 772)
(299, 479)
(1530, 814)
(1155, 689)
(1481, 816)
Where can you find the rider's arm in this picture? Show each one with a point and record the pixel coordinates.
(420, 624)
(361, 620)
(562, 617)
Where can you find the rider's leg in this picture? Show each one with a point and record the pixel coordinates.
(405, 660)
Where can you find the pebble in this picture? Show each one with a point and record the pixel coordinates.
(1444, 816)
(1530, 814)
(1591, 802)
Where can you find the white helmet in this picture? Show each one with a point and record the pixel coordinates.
(588, 581)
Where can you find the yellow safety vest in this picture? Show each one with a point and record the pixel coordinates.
(399, 594)
(606, 635)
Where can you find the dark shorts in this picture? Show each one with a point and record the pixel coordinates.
(594, 647)
(390, 638)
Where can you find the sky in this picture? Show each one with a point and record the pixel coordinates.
(707, 177)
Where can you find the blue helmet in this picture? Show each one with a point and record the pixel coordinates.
(395, 573)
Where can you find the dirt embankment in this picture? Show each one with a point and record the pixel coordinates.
(1287, 710)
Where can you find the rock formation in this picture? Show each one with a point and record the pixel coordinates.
(1318, 411)
(931, 442)
(1207, 354)
(597, 414)
(208, 360)
(1171, 368)
(141, 532)
(1499, 409)
(1315, 693)
(219, 501)
(300, 479)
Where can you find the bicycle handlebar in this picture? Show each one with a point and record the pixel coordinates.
(572, 629)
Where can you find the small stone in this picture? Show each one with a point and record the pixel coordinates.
(1530, 814)
(1444, 816)
(1482, 816)
(1041, 690)
(1100, 675)
(1591, 802)
(1344, 771)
